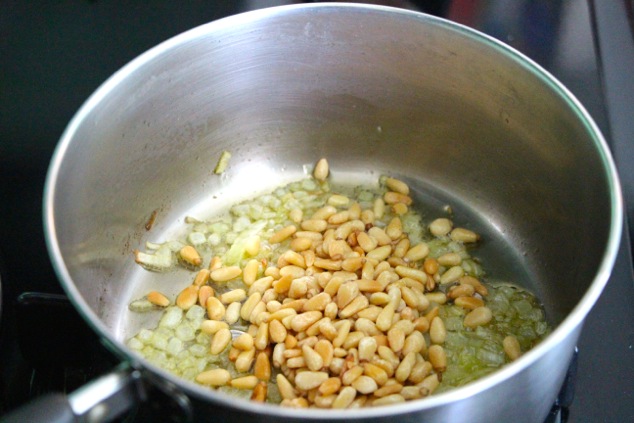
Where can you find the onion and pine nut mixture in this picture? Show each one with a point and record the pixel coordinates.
(311, 297)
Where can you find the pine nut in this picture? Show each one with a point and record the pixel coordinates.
(301, 322)
(314, 225)
(262, 368)
(367, 347)
(215, 377)
(345, 398)
(365, 384)
(243, 342)
(261, 339)
(249, 305)
(212, 326)
(394, 229)
(469, 303)
(464, 235)
(437, 331)
(352, 264)
(232, 296)
(420, 371)
(225, 274)
(277, 331)
(429, 384)
(327, 264)
(215, 309)
(324, 213)
(245, 382)
(351, 375)
(392, 197)
(220, 341)
(310, 380)
(437, 358)
(430, 266)
(202, 277)
(190, 256)
(478, 317)
(301, 244)
(250, 272)
(366, 242)
(321, 170)
(158, 299)
(380, 253)
(451, 275)
(512, 347)
(293, 271)
(436, 297)
(411, 392)
(449, 259)
(388, 400)
(408, 272)
(388, 390)
(396, 339)
(215, 263)
(286, 389)
(346, 293)
(312, 359)
(342, 333)
(477, 285)
(204, 292)
(296, 215)
(245, 360)
(397, 185)
(187, 297)
(259, 392)
(405, 367)
(325, 349)
(440, 227)
(415, 342)
(379, 375)
(356, 305)
(282, 234)
(460, 291)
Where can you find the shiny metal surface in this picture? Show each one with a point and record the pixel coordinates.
(461, 117)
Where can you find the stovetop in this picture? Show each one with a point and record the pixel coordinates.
(55, 54)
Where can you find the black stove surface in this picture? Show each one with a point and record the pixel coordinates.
(55, 54)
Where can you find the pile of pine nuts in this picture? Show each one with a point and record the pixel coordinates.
(347, 315)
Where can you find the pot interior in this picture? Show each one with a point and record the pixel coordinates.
(462, 119)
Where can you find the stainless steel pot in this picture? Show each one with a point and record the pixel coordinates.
(463, 118)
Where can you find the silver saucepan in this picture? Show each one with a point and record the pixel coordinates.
(461, 117)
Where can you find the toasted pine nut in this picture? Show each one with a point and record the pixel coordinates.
(356, 305)
(204, 292)
(202, 277)
(325, 349)
(312, 359)
(220, 341)
(464, 235)
(394, 229)
(477, 285)
(437, 331)
(388, 400)
(345, 397)
(415, 342)
(449, 259)
(366, 242)
(282, 234)
(469, 303)
(245, 360)
(314, 225)
(512, 347)
(397, 185)
(351, 375)
(429, 384)
(277, 331)
(245, 382)
(250, 272)
(440, 227)
(249, 305)
(437, 358)
(346, 293)
(259, 392)
(408, 272)
(301, 244)
(286, 389)
(215, 309)
(396, 339)
(215, 263)
(420, 371)
(321, 170)
(215, 377)
(262, 368)
(478, 317)
(310, 380)
(451, 275)
(392, 197)
(243, 342)
(405, 367)
(158, 299)
(377, 373)
(380, 253)
(430, 266)
(233, 296)
(388, 390)
(190, 256)
(301, 322)
(225, 274)
(212, 326)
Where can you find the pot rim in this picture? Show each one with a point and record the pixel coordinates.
(568, 325)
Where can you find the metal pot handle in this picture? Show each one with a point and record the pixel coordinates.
(101, 400)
